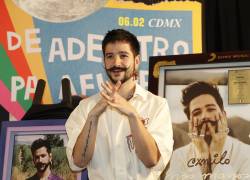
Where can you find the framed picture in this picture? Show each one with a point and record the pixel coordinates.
(16, 160)
(170, 75)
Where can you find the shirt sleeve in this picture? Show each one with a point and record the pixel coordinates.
(161, 129)
(74, 125)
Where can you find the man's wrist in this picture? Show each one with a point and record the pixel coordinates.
(93, 117)
(133, 116)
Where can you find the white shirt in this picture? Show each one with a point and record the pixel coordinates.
(114, 156)
(238, 167)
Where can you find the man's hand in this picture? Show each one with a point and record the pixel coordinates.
(218, 138)
(98, 109)
(114, 99)
(201, 146)
(202, 149)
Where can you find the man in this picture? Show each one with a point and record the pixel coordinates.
(124, 132)
(42, 158)
(212, 154)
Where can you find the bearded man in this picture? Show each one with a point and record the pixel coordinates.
(124, 132)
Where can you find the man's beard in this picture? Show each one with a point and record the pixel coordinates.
(121, 69)
(41, 167)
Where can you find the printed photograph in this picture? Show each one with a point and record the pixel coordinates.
(39, 154)
(211, 135)
(35, 149)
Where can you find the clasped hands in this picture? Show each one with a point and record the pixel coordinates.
(112, 96)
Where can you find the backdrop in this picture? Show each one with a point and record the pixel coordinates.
(51, 40)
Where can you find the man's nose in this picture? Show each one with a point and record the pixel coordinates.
(39, 159)
(204, 116)
(117, 61)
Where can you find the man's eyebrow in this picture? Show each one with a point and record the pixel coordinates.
(196, 109)
(208, 105)
(108, 53)
(123, 52)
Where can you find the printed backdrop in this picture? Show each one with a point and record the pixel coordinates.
(51, 40)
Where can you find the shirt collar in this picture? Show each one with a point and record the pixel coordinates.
(140, 92)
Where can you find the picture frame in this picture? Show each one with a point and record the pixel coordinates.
(200, 61)
(15, 154)
(167, 72)
(169, 75)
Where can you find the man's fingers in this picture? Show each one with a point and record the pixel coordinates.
(223, 121)
(203, 130)
(220, 122)
(106, 88)
(105, 96)
(195, 126)
(211, 129)
(109, 85)
(190, 126)
(223, 124)
(118, 85)
(111, 103)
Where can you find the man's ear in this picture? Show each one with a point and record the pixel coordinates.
(50, 155)
(224, 113)
(137, 60)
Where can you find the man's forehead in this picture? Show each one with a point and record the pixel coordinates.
(204, 100)
(41, 150)
(117, 44)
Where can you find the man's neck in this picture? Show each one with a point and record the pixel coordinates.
(45, 174)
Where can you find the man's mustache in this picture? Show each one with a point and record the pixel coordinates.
(213, 123)
(117, 68)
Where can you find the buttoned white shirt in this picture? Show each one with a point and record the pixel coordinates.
(235, 165)
(114, 156)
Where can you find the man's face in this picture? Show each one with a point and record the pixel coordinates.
(203, 110)
(42, 159)
(119, 61)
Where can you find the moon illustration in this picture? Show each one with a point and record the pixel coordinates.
(60, 10)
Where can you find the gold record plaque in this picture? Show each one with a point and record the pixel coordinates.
(239, 86)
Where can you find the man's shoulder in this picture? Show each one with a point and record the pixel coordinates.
(238, 144)
(149, 96)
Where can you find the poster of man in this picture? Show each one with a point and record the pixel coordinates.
(40, 156)
(211, 135)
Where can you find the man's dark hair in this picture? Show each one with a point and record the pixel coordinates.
(121, 35)
(199, 88)
(40, 143)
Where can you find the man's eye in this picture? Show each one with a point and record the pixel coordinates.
(109, 57)
(124, 56)
(197, 113)
(211, 109)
